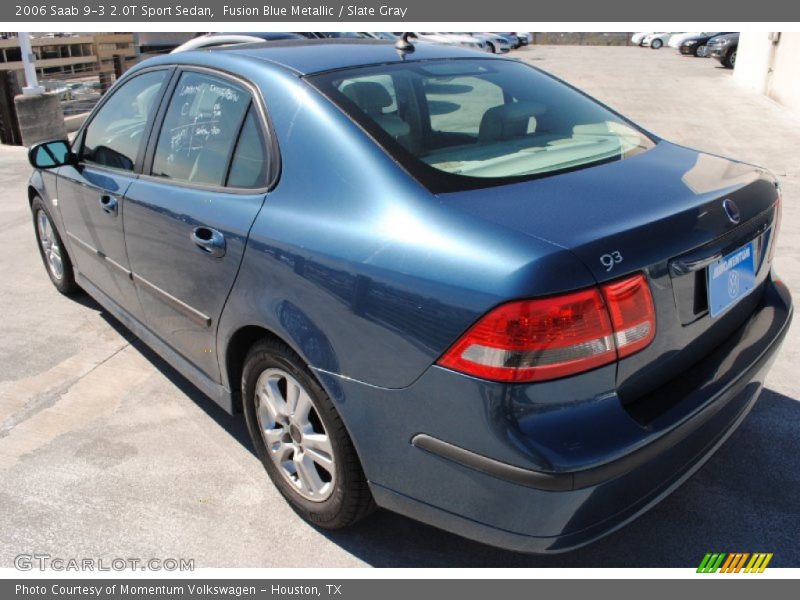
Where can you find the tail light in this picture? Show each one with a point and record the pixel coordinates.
(548, 338)
(632, 314)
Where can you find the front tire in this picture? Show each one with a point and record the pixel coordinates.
(730, 59)
(700, 51)
(656, 44)
(54, 255)
(301, 440)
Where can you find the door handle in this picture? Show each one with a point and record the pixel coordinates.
(209, 241)
(109, 204)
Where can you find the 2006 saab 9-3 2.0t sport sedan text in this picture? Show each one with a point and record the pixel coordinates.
(434, 280)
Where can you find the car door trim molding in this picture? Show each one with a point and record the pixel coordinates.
(192, 314)
(88, 248)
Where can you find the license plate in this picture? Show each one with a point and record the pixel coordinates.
(731, 278)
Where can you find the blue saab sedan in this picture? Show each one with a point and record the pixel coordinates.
(433, 280)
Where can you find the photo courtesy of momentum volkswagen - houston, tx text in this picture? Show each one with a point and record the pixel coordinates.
(432, 278)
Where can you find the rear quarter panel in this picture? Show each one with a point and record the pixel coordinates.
(360, 269)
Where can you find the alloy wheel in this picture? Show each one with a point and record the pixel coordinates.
(50, 245)
(294, 435)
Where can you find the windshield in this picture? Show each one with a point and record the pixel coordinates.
(458, 124)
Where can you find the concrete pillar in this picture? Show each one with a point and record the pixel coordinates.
(40, 118)
(105, 81)
(28, 61)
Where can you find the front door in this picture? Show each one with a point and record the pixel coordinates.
(91, 195)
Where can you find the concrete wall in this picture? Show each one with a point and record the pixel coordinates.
(40, 118)
(770, 68)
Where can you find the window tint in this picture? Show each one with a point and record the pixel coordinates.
(376, 96)
(200, 128)
(457, 104)
(249, 165)
(472, 123)
(115, 134)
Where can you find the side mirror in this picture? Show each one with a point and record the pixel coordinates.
(48, 155)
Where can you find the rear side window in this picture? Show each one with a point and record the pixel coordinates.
(473, 123)
(249, 164)
(200, 128)
(114, 136)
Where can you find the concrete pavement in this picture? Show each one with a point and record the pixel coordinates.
(105, 451)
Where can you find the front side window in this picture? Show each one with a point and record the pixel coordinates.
(200, 129)
(114, 136)
(460, 124)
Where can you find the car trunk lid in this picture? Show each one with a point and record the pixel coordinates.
(661, 212)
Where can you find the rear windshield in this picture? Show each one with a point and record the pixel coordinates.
(460, 124)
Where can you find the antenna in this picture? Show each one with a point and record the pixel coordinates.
(403, 44)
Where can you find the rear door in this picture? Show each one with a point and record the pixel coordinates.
(188, 216)
(92, 194)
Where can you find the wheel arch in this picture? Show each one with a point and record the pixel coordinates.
(235, 353)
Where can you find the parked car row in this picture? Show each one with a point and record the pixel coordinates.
(721, 45)
(495, 43)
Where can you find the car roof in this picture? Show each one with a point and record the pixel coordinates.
(315, 56)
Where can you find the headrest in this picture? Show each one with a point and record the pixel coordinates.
(368, 95)
(508, 121)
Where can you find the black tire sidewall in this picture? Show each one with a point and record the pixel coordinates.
(332, 512)
(66, 285)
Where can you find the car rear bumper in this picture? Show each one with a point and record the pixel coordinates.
(548, 469)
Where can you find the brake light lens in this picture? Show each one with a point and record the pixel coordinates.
(549, 338)
(630, 305)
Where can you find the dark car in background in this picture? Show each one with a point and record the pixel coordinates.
(697, 45)
(723, 48)
(515, 40)
(432, 279)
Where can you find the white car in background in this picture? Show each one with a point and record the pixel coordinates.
(496, 44)
(449, 39)
(656, 40)
(638, 37)
(676, 39)
(214, 40)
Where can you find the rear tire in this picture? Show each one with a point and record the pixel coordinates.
(54, 254)
(656, 44)
(730, 59)
(700, 51)
(301, 439)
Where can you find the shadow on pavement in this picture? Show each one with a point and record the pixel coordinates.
(745, 499)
